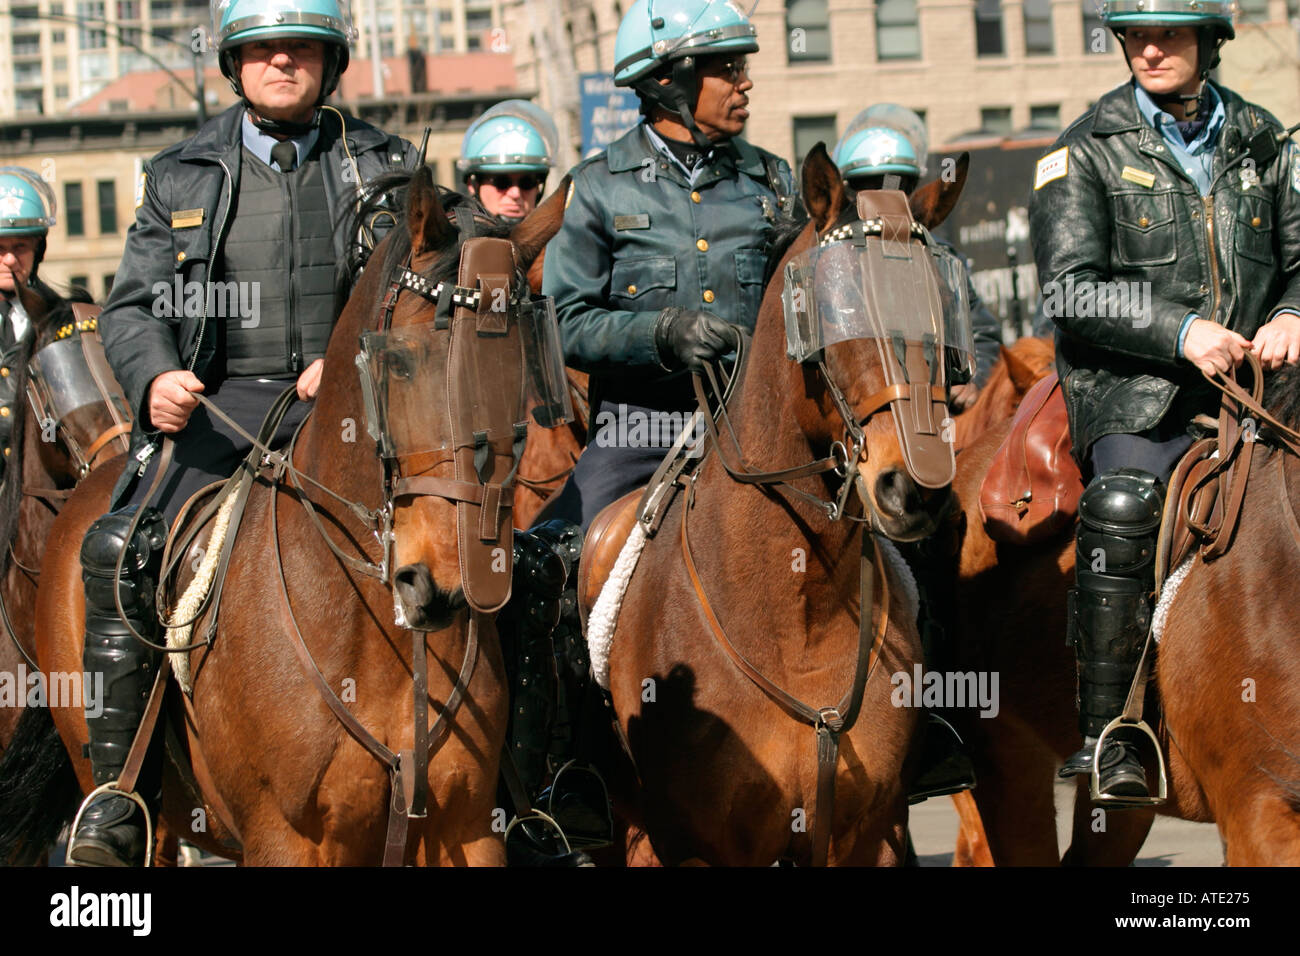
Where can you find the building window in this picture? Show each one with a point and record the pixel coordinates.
(61, 91)
(108, 283)
(107, 190)
(1038, 26)
(808, 132)
(58, 36)
(56, 7)
(996, 119)
(808, 28)
(898, 35)
(27, 45)
(160, 9)
(25, 13)
(128, 9)
(80, 282)
(1045, 116)
(72, 210)
(29, 101)
(988, 28)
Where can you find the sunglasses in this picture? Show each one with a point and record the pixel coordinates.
(503, 181)
(733, 70)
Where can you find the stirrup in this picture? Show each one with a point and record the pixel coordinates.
(579, 840)
(1094, 778)
(111, 787)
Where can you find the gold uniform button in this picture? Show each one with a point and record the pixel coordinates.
(708, 295)
(631, 290)
(1144, 222)
(702, 245)
(1255, 222)
(695, 197)
(4, 373)
(6, 452)
(180, 257)
(4, 411)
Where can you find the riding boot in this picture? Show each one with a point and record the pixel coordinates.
(943, 766)
(541, 631)
(1109, 617)
(113, 829)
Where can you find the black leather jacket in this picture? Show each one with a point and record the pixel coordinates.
(181, 218)
(1124, 212)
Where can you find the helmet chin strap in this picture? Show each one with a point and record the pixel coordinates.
(283, 127)
(676, 98)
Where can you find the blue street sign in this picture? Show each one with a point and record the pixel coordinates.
(608, 111)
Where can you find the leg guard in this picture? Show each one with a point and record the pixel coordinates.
(111, 831)
(1110, 607)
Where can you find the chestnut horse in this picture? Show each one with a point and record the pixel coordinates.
(1231, 751)
(285, 775)
(41, 472)
(727, 777)
(1018, 367)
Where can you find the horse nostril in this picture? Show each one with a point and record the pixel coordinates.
(414, 585)
(897, 494)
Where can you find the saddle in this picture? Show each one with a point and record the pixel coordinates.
(1032, 488)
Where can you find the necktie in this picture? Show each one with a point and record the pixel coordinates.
(285, 155)
(6, 327)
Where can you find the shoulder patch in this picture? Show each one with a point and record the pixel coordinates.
(568, 197)
(1052, 166)
(139, 190)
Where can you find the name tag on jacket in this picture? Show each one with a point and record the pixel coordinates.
(640, 221)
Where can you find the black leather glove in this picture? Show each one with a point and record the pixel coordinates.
(689, 338)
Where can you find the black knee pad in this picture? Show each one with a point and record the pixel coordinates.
(1119, 522)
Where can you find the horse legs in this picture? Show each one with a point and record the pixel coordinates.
(1261, 832)
(1014, 796)
(1101, 837)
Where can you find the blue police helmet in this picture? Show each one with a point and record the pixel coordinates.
(514, 136)
(236, 22)
(26, 203)
(653, 33)
(1118, 14)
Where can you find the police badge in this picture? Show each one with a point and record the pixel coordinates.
(1248, 176)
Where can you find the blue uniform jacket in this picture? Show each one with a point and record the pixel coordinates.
(638, 238)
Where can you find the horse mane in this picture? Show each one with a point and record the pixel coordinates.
(1282, 395)
(385, 196)
(39, 334)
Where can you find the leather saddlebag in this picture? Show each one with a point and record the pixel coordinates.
(1032, 488)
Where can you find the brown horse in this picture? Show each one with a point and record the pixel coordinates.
(282, 773)
(727, 776)
(1017, 369)
(1232, 755)
(41, 472)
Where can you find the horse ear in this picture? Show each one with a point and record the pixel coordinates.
(932, 203)
(823, 188)
(531, 236)
(1023, 375)
(426, 220)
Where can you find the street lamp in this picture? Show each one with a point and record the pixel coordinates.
(197, 94)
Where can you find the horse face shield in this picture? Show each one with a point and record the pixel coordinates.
(72, 386)
(488, 364)
(885, 280)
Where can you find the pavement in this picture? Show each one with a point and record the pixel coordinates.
(1171, 842)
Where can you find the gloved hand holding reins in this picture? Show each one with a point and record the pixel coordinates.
(690, 337)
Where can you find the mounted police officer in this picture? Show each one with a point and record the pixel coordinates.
(659, 262)
(26, 215)
(505, 158)
(1166, 229)
(884, 147)
(247, 207)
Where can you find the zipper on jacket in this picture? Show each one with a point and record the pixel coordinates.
(292, 347)
(212, 255)
(1208, 202)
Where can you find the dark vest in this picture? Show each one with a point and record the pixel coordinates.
(279, 256)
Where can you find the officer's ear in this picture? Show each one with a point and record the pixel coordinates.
(426, 219)
(824, 194)
(531, 236)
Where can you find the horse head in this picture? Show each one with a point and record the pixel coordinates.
(454, 374)
(885, 361)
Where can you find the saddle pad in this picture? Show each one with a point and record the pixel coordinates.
(1166, 599)
(1032, 488)
(181, 620)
